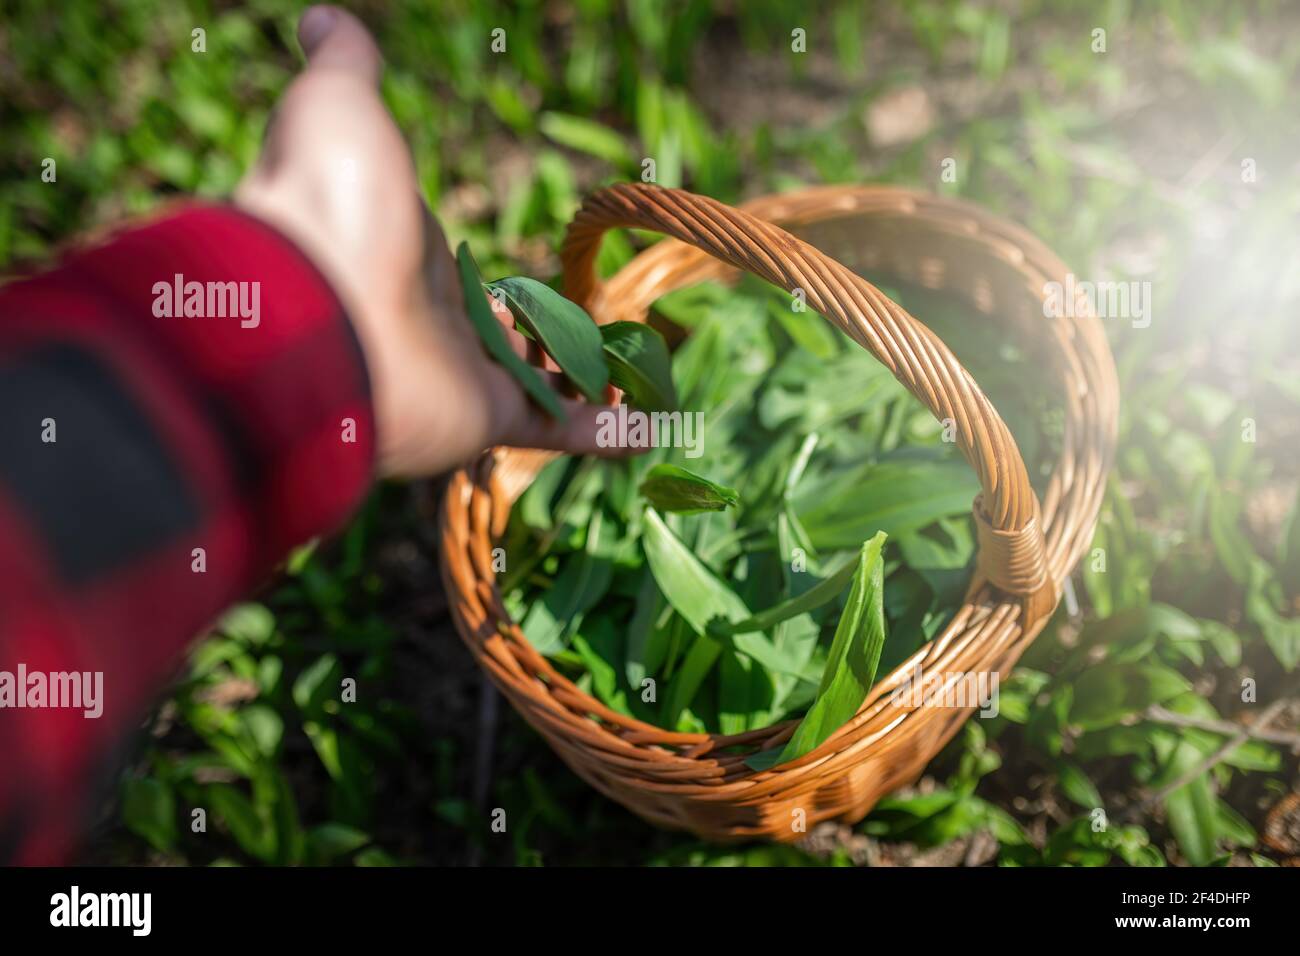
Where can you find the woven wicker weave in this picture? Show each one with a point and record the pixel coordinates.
(699, 782)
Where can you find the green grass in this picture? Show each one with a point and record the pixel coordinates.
(1131, 163)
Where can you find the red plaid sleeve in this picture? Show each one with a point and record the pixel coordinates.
(178, 408)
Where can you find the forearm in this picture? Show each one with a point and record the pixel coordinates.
(158, 454)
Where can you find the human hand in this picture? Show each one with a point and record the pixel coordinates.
(336, 177)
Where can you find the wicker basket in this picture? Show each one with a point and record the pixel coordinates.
(699, 782)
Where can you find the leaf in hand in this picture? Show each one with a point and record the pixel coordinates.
(673, 488)
(494, 338)
(639, 364)
(563, 328)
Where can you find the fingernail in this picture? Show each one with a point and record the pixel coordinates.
(315, 26)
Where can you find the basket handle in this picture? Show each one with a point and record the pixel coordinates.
(1012, 550)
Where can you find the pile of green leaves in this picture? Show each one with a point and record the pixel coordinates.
(739, 579)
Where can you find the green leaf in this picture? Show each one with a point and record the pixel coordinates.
(585, 136)
(1125, 628)
(535, 504)
(693, 305)
(946, 545)
(797, 636)
(265, 726)
(1112, 690)
(1255, 755)
(1230, 543)
(894, 497)
(373, 856)
(819, 594)
(799, 465)
(687, 679)
(699, 596)
(1076, 785)
(249, 623)
(251, 829)
(1263, 597)
(745, 693)
(318, 683)
(329, 841)
(694, 591)
(494, 340)
(601, 646)
(583, 581)
(1288, 570)
(1233, 827)
(325, 741)
(673, 488)
(808, 329)
(149, 811)
(1193, 818)
(646, 640)
(563, 328)
(1226, 643)
(290, 841)
(639, 364)
(850, 666)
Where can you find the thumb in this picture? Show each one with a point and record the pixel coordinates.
(334, 39)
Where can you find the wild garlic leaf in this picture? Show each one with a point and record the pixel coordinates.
(799, 636)
(821, 593)
(535, 506)
(809, 330)
(601, 645)
(695, 592)
(851, 666)
(745, 693)
(639, 364)
(696, 666)
(699, 596)
(673, 488)
(1192, 808)
(894, 496)
(800, 464)
(494, 340)
(563, 328)
(584, 135)
(579, 586)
